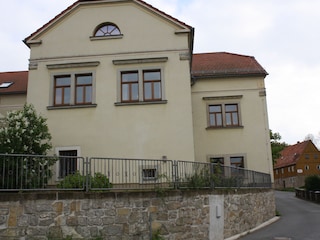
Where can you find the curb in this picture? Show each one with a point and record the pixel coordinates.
(272, 220)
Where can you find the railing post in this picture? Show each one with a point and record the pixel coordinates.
(175, 174)
(87, 174)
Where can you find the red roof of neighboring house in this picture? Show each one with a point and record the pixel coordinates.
(291, 154)
(75, 4)
(223, 64)
(19, 82)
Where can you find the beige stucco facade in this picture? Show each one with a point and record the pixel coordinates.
(174, 127)
(107, 128)
(10, 102)
(250, 140)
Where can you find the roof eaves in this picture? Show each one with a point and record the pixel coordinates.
(205, 75)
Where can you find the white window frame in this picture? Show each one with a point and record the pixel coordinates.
(149, 179)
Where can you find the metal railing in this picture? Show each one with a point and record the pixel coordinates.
(30, 173)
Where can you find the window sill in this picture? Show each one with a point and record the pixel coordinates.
(93, 38)
(72, 106)
(140, 103)
(232, 127)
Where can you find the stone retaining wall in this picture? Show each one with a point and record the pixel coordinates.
(192, 214)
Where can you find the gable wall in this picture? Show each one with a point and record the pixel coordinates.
(108, 130)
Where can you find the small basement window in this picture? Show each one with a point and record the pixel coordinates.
(6, 84)
(149, 174)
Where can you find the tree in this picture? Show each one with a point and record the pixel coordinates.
(25, 132)
(276, 145)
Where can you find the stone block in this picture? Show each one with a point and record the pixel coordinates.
(113, 230)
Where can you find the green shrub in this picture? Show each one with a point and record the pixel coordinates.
(100, 181)
(77, 180)
(312, 183)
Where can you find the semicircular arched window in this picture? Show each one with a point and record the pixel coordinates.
(107, 29)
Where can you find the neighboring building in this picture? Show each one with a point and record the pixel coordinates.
(119, 79)
(296, 162)
(230, 111)
(13, 91)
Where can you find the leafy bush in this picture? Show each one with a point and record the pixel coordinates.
(25, 132)
(100, 181)
(77, 180)
(312, 183)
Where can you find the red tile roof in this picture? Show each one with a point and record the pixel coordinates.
(75, 4)
(291, 154)
(223, 64)
(19, 82)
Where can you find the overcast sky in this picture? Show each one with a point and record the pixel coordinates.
(283, 36)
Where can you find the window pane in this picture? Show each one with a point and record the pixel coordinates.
(63, 81)
(83, 79)
(215, 120)
(130, 77)
(231, 108)
(228, 119)
(135, 91)
(235, 119)
(66, 96)
(157, 90)
(88, 94)
(125, 92)
(215, 108)
(79, 94)
(237, 162)
(151, 75)
(147, 90)
(219, 160)
(58, 96)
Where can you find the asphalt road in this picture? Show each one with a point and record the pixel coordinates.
(300, 220)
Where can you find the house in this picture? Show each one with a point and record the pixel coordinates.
(230, 111)
(295, 163)
(13, 91)
(119, 79)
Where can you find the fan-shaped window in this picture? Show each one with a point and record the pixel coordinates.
(107, 29)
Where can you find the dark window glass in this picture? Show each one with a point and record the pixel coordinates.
(237, 162)
(67, 163)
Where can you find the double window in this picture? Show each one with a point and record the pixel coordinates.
(228, 160)
(73, 89)
(141, 86)
(224, 115)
